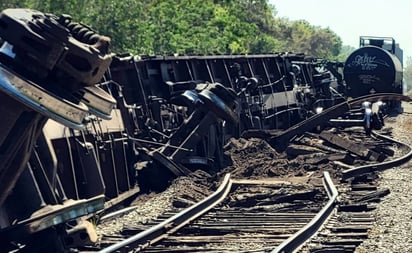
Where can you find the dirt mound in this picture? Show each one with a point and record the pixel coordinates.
(255, 158)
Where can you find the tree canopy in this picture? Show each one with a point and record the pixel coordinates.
(193, 26)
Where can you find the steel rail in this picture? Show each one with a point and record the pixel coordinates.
(295, 241)
(365, 169)
(280, 140)
(171, 225)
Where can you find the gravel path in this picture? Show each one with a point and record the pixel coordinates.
(393, 229)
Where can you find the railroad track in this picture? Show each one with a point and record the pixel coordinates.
(254, 222)
(255, 215)
(349, 225)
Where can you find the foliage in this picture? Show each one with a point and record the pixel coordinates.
(193, 26)
(345, 52)
(407, 75)
(300, 36)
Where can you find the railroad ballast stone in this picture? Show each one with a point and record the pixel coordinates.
(392, 231)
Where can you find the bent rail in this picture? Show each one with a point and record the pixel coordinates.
(169, 226)
(365, 169)
(310, 229)
(279, 140)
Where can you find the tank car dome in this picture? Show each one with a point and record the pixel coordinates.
(371, 69)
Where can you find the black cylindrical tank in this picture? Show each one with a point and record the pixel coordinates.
(371, 69)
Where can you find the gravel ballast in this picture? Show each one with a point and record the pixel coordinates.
(393, 228)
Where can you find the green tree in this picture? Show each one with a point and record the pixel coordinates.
(344, 53)
(193, 26)
(301, 36)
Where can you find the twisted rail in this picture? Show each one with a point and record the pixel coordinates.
(365, 169)
(280, 140)
(171, 225)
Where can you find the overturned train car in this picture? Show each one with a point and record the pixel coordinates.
(173, 95)
(50, 68)
(272, 91)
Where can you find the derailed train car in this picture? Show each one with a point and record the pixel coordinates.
(267, 87)
(121, 124)
(172, 99)
(375, 67)
(49, 69)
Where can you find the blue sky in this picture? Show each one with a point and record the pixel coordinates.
(350, 19)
